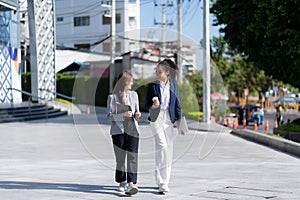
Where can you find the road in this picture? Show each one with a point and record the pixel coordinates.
(270, 116)
(71, 158)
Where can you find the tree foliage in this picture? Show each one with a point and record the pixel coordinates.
(236, 71)
(188, 99)
(266, 31)
(196, 81)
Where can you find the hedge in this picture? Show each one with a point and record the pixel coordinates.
(94, 91)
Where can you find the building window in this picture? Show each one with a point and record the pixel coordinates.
(118, 46)
(82, 21)
(107, 48)
(106, 20)
(82, 46)
(132, 46)
(132, 22)
(59, 19)
(132, 1)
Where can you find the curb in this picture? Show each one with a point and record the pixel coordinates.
(279, 144)
(211, 127)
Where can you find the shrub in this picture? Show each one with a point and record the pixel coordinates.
(188, 100)
(195, 115)
(140, 86)
(292, 127)
(85, 89)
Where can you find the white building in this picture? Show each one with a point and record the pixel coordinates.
(84, 24)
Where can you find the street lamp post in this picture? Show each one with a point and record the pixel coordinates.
(112, 44)
(206, 64)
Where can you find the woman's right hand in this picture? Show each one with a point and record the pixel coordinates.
(127, 114)
(154, 106)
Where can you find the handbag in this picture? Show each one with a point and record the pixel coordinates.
(182, 126)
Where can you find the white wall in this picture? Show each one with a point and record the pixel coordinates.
(68, 35)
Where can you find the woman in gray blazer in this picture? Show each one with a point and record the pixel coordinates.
(123, 112)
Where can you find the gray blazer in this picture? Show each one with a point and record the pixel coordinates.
(117, 119)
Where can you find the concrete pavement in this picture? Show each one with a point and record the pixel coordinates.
(71, 157)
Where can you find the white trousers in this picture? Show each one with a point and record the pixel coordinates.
(164, 136)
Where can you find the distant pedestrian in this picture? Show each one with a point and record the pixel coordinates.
(288, 122)
(164, 107)
(123, 111)
(267, 102)
(261, 115)
(278, 116)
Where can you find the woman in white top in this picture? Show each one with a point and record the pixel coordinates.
(164, 107)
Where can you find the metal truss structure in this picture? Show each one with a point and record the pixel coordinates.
(42, 48)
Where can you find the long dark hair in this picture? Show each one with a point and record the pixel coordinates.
(124, 78)
(170, 66)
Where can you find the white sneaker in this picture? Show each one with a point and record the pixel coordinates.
(163, 188)
(131, 189)
(122, 186)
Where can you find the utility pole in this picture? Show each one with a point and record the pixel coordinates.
(206, 64)
(112, 45)
(163, 23)
(179, 63)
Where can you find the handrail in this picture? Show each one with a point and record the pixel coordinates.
(58, 94)
(30, 94)
(30, 97)
(27, 93)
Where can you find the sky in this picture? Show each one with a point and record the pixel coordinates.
(192, 17)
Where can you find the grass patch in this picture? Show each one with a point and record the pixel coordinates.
(292, 127)
(277, 136)
(63, 101)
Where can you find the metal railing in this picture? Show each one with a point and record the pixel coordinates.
(58, 94)
(30, 95)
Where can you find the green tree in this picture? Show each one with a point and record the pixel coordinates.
(237, 72)
(266, 31)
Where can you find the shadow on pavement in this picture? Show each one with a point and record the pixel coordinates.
(97, 189)
(101, 189)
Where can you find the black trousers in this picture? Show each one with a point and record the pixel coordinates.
(126, 145)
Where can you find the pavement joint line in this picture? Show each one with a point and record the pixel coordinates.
(205, 191)
(237, 194)
(258, 189)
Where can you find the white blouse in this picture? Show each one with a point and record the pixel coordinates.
(165, 95)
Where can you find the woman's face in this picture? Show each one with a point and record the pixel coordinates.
(128, 84)
(162, 73)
